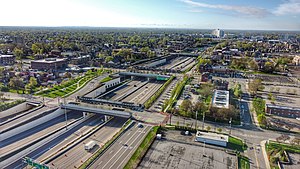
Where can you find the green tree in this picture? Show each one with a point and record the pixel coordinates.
(186, 108)
(18, 53)
(254, 86)
(237, 90)
(35, 48)
(16, 83)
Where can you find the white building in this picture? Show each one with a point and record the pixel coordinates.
(212, 138)
(221, 99)
(218, 33)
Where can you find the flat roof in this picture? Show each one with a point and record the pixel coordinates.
(283, 107)
(212, 136)
(221, 99)
(144, 75)
(49, 60)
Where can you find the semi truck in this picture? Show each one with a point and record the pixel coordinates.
(90, 145)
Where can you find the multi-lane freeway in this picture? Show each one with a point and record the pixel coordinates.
(119, 153)
(75, 156)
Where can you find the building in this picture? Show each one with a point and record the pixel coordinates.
(218, 33)
(212, 138)
(7, 59)
(49, 63)
(221, 99)
(296, 60)
(284, 111)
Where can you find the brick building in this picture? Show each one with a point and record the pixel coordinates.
(284, 111)
(49, 63)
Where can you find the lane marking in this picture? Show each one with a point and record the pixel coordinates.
(119, 150)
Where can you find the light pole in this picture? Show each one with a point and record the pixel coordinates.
(196, 120)
(65, 110)
(230, 125)
(203, 120)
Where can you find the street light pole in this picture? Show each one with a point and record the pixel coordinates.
(230, 125)
(65, 110)
(203, 121)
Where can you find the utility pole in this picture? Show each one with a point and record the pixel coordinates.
(203, 120)
(230, 125)
(196, 121)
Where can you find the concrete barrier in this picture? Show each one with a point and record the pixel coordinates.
(15, 110)
(32, 124)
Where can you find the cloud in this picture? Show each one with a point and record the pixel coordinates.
(288, 7)
(244, 10)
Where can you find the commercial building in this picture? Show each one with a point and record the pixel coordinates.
(7, 59)
(284, 111)
(221, 99)
(218, 33)
(49, 63)
(212, 138)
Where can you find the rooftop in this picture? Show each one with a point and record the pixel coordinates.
(49, 60)
(221, 99)
(212, 136)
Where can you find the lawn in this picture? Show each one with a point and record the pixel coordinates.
(67, 88)
(106, 79)
(236, 144)
(276, 153)
(243, 162)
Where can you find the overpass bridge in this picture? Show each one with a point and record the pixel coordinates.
(149, 76)
(94, 109)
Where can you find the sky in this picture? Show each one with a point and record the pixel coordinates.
(195, 14)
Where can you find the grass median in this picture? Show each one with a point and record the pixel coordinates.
(243, 162)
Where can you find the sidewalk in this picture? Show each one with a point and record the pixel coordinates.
(263, 143)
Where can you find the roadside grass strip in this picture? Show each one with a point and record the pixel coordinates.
(243, 162)
(153, 98)
(142, 149)
(236, 144)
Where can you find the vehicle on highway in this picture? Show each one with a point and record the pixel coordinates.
(90, 145)
(140, 125)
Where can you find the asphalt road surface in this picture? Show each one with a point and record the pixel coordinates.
(120, 152)
(77, 155)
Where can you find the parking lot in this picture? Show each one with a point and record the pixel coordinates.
(179, 151)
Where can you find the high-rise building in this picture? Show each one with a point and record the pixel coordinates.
(218, 33)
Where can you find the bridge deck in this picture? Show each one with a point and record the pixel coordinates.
(92, 109)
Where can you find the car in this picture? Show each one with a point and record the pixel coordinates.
(140, 125)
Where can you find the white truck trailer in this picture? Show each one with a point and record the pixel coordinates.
(88, 146)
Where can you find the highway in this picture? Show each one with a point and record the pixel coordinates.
(126, 89)
(21, 118)
(20, 140)
(76, 155)
(172, 63)
(14, 111)
(119, 153)
(143, 94)
(78, 131)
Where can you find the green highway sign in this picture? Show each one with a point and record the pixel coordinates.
(35, 164)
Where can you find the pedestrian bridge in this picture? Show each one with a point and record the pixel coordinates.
(95, 109)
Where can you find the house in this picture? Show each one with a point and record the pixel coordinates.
(296, 60)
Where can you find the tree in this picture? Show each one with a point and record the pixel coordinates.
(219, 130)
(237, 90)
(255, 85)
(16, 83)
(18, 53)
(32, 83)
(261, 118)
(253, 65)
(35, 48)
(268, 67)
(186, 108)
(199, 108)
(208, 128)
